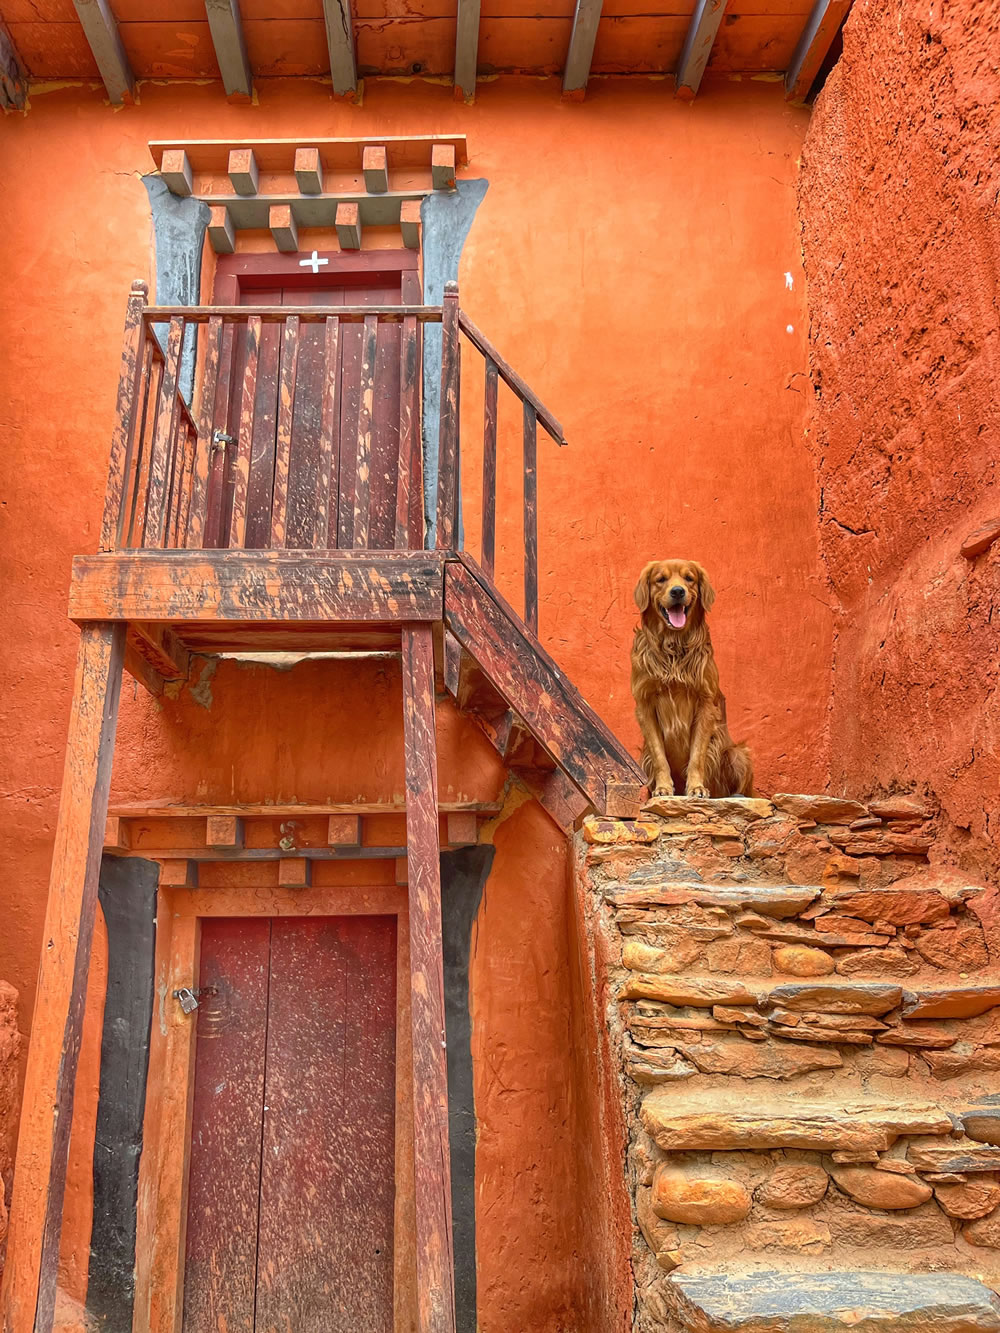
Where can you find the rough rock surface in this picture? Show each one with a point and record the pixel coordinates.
(832, 1303)
(679, 1196)
(798, 960)
(794, 1187)
(880, 1189)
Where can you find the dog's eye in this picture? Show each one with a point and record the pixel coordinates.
(689, 578)
(662, 578)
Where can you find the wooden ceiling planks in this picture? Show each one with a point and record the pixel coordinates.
(243, 40)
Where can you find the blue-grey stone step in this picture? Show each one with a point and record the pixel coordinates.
(861, 1302)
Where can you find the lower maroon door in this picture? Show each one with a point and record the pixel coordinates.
(291, 1194)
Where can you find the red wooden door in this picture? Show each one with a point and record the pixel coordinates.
(291, 1191)
(372, 286)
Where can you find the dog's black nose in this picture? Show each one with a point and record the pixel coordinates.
(677, 594)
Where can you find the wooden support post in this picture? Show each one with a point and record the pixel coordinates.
(29, 1293)
(129, 378)
(340, 44)
(435, 1261)
(102, 34)
(530, 519)
(447, 496)
(490, 468)
(230, 47)
(579, 57)
(467, 50)
(698, 46)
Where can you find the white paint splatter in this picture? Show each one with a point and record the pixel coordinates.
(789, 328)
(789, 282)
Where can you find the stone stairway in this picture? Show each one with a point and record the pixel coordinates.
(804, 1007)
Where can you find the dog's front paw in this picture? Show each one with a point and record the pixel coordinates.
(663, 789)
(696, 789)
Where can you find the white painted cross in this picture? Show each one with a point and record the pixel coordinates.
(313, 262)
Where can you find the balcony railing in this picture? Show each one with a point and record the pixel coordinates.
(301, 428)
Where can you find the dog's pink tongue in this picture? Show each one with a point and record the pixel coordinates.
(677, 616)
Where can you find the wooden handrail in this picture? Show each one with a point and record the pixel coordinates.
(277, 314)
(511, 378)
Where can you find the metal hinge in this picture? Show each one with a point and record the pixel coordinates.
(188, 998)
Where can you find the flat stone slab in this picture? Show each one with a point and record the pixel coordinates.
(770, 900)
(725, 808)
(861, 1302)
(678, 1123)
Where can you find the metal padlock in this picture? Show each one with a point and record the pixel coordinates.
(187, 999)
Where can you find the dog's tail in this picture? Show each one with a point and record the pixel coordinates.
(737, 770)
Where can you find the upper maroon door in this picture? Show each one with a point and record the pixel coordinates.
(372, 278)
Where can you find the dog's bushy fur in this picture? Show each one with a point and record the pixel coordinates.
(675, 683)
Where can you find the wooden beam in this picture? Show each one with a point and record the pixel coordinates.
(698, 46)
(243, 172)
(409, 223)
(586, 18)
(29, 1292)
(176, 174)
(179, 872)
(225, 831)
(340, 44)
(435, 1260)
(101, 30)
(294, 872)
(221, 586)
(161, 649)
(221, 232)
(344, 831)
(230, 47)
(348, 224)
(467, 49)
(285, 233)
(375, 168)
(443, 166)
(13, 79)
(817, 37)
(309, 170)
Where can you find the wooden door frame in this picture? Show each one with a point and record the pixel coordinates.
(255, 269)
(163, 1173)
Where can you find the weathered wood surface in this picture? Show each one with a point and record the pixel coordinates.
(698, 44)
(363, 457)
(241, 470)
(283, 448)
(127, 891)
(307, 314)
(490, 468)
(328, 466)
(511, 378)
(43, 1147)
(101, 29)
(325, 1236)
(340, 45)
(337, 154)
(160, 648)
(530, 518)
(821, 28)
(448, 433)
(180, 810)
(212, 586)
(435, 1260)
(133, 519)
(586, 18)
(230, 47)
(407, 536)
(161, 455)
(203, 448)
(127, 410)
(225, 1161)
(525, 675)
(219, 500)
(467, 48)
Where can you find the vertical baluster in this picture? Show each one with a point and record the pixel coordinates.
(448, 465)
(241, 470)
(217, 467)
(283, 437)
(125, 418)
(163, 435)
(138, 463)
(327, 475)
(530, 520)
(148, 430)
(176, 477)
(187, 484)
(366, 403)
(203, 452)
(490, 468)
(409, 431)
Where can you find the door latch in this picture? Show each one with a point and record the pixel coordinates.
(188, 998)
(220, 439)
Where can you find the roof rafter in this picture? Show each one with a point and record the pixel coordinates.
(467, 48)
(823, 24)
(340, 41)
(13, 80)
(580, 55)
(230, 46)
(698, 46)
(104, 39)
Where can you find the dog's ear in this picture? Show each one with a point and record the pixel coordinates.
(641, 593)
(706, 593)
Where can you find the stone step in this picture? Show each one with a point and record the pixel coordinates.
(863, 1302)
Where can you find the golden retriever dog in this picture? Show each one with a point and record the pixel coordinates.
(675, 683)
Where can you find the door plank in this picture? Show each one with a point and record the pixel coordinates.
(223, 1193)
(325, 1261)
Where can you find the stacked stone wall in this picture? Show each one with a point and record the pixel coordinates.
(804, 1008)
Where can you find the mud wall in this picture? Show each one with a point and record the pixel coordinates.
(897, 200)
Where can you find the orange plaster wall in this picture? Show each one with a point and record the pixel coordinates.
(898, 206)
(630, 259)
